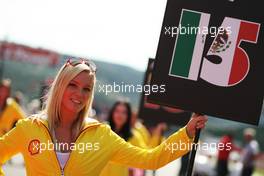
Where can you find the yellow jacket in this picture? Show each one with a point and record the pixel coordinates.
(140, 138)
(143, 131)
(10, 115)
(114, 169)
(150, 140)
(29, 134)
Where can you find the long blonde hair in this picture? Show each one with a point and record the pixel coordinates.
(52, 106)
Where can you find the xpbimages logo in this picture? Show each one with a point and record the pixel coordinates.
(36, 147)
(183, 146)
(130, 88)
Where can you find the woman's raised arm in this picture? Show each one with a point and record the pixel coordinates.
(10, 144)
(177, 145)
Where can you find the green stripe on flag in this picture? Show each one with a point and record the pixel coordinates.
(183, 51)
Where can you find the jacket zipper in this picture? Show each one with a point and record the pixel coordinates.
(74, 143)
(58, 163)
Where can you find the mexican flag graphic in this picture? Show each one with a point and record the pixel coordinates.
(226, 63)
(187, 53)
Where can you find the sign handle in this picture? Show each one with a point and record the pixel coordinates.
(193, 152)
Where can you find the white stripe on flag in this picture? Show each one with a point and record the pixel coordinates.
(199, 47)
(219, 74)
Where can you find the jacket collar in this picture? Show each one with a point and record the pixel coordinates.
(88, 122)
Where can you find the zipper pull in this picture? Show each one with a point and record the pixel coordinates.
(62, 172)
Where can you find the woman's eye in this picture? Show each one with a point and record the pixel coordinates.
(87, 89)
(72, 85)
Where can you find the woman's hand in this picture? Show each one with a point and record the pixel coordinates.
(197, 122)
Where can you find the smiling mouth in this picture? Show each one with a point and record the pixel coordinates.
(76, 101)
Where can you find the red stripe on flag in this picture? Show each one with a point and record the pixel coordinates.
(240, 67)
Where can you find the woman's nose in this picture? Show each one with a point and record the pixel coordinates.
(78, 93)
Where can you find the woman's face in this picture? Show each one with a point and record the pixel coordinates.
(120, 115)
(77, 93)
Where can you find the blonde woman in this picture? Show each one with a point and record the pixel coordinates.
(62, 141)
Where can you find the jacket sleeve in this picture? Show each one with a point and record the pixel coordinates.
(10, 144)
(177, 145)
(154, 141)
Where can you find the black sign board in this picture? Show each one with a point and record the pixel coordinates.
(210, 57)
